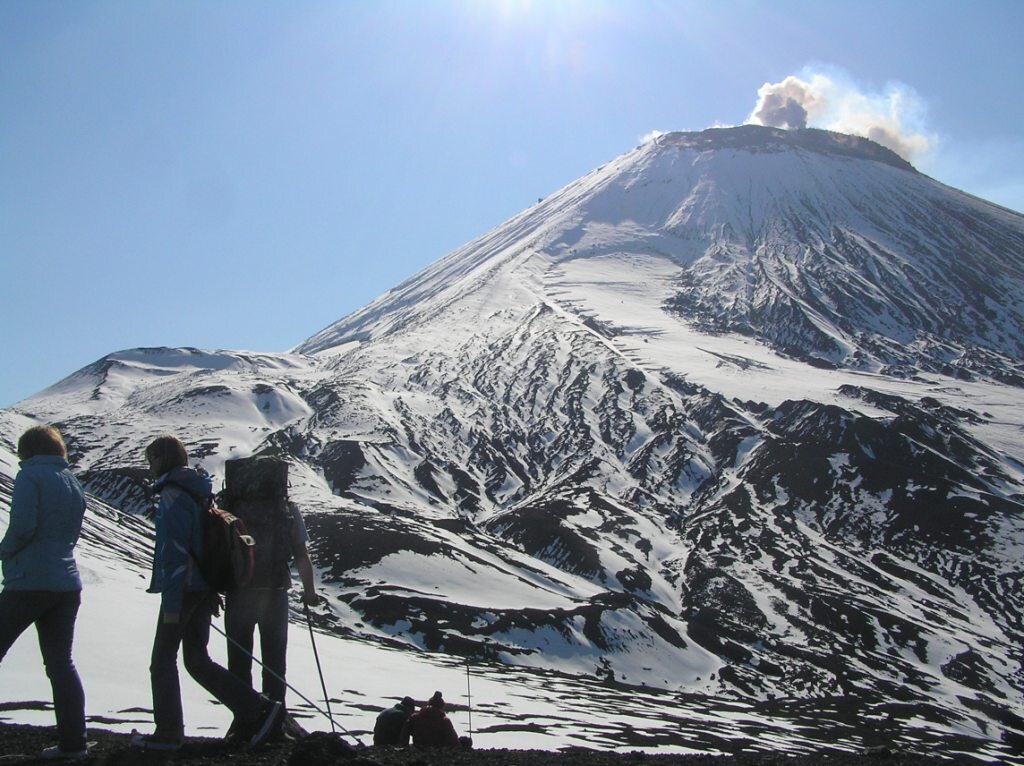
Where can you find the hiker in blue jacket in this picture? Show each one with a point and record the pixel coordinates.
(41, 585)
(187, 608)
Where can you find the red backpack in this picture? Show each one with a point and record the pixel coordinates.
(228, 559)
(229, 551)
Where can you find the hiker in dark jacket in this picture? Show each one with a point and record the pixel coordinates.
(387, 730)
(430, 727)
(187, 608)
(40, 577)
(263, 603)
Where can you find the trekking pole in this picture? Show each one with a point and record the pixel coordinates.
(270, 672)
(320, 670)
(469, 700)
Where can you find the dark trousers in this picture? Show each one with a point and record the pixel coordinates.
(53, 613)
(192, 634)
(267, 609)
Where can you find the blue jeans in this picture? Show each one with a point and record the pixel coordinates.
(54, 614)
(267, 609)
(192, 634)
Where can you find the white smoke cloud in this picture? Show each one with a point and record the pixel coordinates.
(654, 135)
(894, 118)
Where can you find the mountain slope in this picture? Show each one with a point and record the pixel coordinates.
(828, 247)
(736, 414)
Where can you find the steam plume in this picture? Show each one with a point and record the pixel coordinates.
(893, 119)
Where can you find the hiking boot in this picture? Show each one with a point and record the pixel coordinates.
(290, 728)
(267, 721)
(153, 742)
(236, 734)
(56, 754)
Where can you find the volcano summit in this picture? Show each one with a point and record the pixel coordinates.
(736, 415)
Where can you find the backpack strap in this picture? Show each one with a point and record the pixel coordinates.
(203, 501)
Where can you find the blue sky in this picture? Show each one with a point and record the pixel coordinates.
(239, 174)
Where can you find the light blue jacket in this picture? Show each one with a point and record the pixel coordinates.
(179, 537)
(46, 519)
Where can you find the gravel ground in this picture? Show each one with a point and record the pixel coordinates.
(22, 744)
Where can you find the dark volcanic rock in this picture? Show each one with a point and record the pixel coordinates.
(20, 744)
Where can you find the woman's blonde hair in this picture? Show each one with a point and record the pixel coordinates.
(41, 440)
(165, 453)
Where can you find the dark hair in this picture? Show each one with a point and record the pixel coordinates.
(41, 440)
(165, 453)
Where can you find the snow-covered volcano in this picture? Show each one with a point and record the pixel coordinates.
(823, 246)
(737, 414)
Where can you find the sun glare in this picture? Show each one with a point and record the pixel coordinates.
(561, 13)
(561, 36)
(514, 9)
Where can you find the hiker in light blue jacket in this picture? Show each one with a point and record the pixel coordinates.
(179, 537)
(41, 585)
(187, 609)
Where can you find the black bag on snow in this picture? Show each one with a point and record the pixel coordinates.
(256, 491)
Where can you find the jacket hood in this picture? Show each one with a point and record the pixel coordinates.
(56, 460)
(188, 479)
